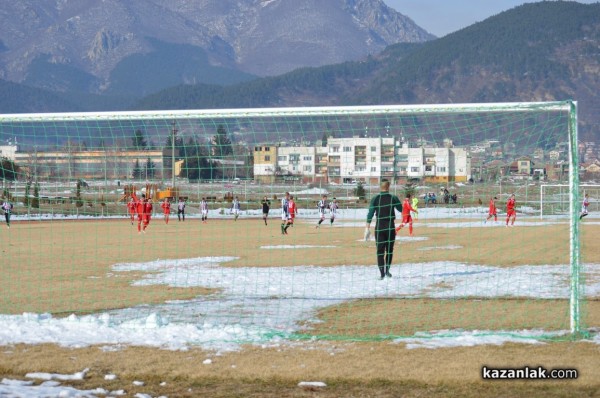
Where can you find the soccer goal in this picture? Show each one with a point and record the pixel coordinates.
(247, 225)
(555, 198)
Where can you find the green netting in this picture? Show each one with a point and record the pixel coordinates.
(74, 247)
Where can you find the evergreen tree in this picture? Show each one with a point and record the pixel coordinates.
(179, 146)
(324, 140)
(150, 169)
(137, 170)
(221, 143)
(196, 164)
(35, 202)
(360, 190)
(249, 164)
(27, 190)
(139, 140)
(8, 169)
(78, 200)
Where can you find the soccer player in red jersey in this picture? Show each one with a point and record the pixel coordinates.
(147, 214)
(166, 206)
(511, 213)
(293, 210)
(143, 209)
(492, 212)
(131, 207)
(406, 217)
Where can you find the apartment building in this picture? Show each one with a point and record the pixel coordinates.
(365, 159)
(265, 163)
(433, 164)
(8, 151)
(114, 164)
(346, 160)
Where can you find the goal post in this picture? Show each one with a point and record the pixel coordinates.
(555, 198)
(574, 245)
(257, 277)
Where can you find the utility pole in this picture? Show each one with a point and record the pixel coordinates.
(173, 133)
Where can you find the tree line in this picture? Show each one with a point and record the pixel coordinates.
(201, 161)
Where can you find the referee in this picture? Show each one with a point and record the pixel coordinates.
(383, 205)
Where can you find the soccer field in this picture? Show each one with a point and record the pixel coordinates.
(155, 306)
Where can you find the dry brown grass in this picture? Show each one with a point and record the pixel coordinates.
(65, 267)
(380, 369)
(405, 317)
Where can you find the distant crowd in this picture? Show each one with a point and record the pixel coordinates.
(445, 197)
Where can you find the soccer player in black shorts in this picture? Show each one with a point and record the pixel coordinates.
(383, 205)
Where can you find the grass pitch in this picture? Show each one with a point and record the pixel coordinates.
(65, 266)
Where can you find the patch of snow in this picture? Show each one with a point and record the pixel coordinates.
(447, 247)
(56, 376)
(318, 384)
(295, 246)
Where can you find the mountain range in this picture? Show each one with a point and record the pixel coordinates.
(136, 47)
(542, 51)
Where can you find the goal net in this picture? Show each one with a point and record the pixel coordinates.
(555, 199)
(169, 224)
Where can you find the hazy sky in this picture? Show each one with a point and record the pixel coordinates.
(441, 17)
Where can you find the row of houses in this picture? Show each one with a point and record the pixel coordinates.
(345, 160)
(341, 160)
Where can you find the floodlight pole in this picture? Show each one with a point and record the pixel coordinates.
(173, 132)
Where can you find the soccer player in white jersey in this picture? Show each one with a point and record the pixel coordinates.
(322, 205)
(7, 207)
(285, 213)
(235, 208)
(333, 207)
(204, 210)
(584, 206)
(181, 210)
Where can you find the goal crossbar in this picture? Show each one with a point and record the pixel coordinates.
(291, 111)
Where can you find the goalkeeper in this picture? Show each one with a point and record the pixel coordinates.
(384, 205)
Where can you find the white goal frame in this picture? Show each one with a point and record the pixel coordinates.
(566, 186)
(571, 131)
(597, 186)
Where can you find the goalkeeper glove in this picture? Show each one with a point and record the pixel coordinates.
(367, 234)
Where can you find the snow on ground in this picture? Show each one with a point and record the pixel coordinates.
(295, 246)
(268, 304)
(400, 238)
(447, 247)
(311, 191)
(477, 214)
(56, 376)
(448, 338)
(21, 388)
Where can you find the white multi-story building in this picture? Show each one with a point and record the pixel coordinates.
(433, 164)
(8, 151)
(366, 159)
(296, 161)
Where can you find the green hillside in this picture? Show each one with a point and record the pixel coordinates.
(523, 44)
(18, 98)
(166, 66)
(537, 51)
